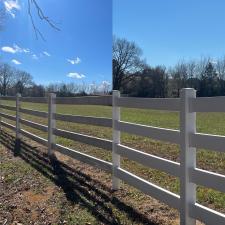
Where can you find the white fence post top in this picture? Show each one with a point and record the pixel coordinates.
(188, 90)
(116, 93)
(52, 94)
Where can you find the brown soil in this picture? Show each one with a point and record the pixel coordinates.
(47, 191)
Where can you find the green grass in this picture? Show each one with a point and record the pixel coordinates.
(212, 123)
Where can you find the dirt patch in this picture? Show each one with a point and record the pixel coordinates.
(35, 198)
(66, 191)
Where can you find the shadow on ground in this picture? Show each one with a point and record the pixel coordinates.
(78, 187)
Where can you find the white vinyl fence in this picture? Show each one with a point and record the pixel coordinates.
(186, 137)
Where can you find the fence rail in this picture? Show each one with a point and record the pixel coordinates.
(101, 164)
(208, 141)
(86, 139)
(8, 125)
(34, 99)
(157, 192)
(93, 100)
(170, 104)
(8, 116)
(8, 107)
(97, 121)
(34, 125)
(208, 104)
(161, 134)
(34, 112)
(186, 137)
(34, 137)
(149, 160)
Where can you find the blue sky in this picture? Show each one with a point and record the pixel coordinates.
(80, 52)
(169, 31)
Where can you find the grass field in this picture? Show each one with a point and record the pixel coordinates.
(213, 123)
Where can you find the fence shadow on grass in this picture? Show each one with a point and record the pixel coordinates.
(79, 188)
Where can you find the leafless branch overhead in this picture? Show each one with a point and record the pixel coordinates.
(42, 16)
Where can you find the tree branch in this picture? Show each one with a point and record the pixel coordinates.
(42, 16)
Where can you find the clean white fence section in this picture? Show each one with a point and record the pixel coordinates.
(186, 137)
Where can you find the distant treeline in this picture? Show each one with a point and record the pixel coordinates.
(134, 77)
(131, 75)
(14, 81)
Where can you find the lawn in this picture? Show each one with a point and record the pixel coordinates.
(213, 123)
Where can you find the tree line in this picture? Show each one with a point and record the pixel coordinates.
(134, 77)
(131, 75)
(14, 81)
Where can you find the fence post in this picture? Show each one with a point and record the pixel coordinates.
(187, 156)
(18, 96)
(51, 122)
(116, 139)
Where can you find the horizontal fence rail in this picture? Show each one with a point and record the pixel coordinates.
(101, 164)
(8, 107)
(208, 104)
(97, 121)
(8, 116)
(93, 100)
(8, 125)
(149, 160)
(34, 112)
(208, 179)
(86, 139)
(34, 99)
(34, 125)
(206, 215)
(8, 98)
(187, 137)
(161, 134)
(170, 104)
(34, 137)
(157, 192)
(208, 141)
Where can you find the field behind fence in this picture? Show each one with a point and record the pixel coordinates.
(184, 175)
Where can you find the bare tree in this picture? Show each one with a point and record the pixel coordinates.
(191, 66)
(104, 87)
(23, 80)
(6, 78)
(201, 65)
(93, 88)
(220, 68)
(126, 60)
(179, 75)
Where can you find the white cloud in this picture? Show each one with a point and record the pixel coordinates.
(26, 50)
(74, 61)
(19, 49)
(76, 75)
(15, 61)
(8, 49)
(15, 49)
(11, 6)
(34, 56)
(46, 53)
